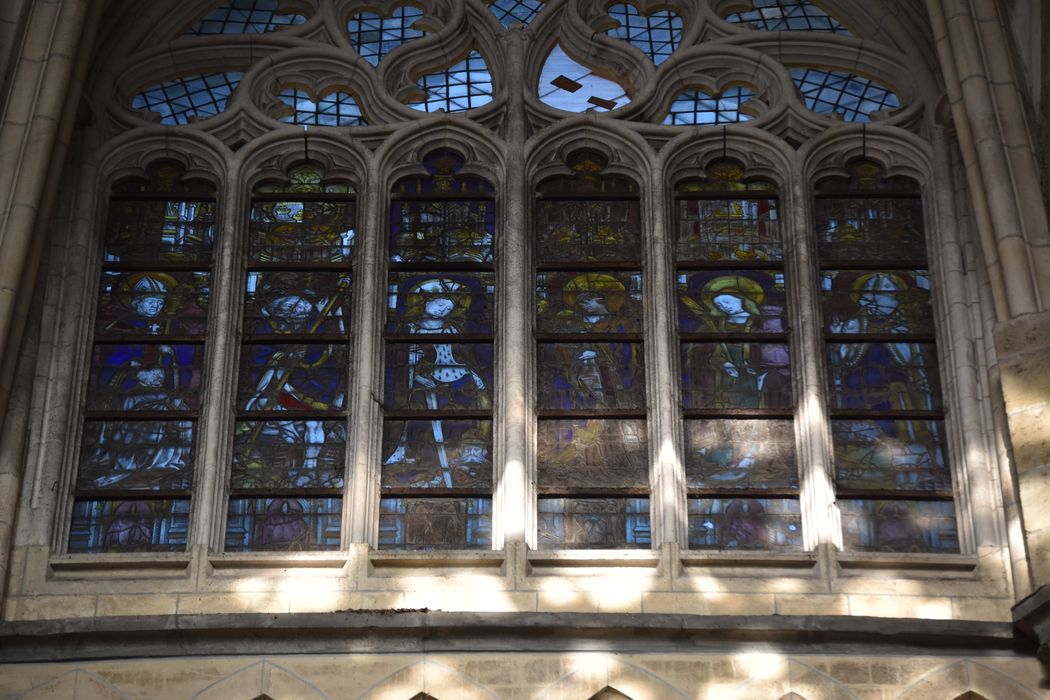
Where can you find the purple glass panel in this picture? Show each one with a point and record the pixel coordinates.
(714, 230)
(593, 453)
(594, 523)
(881, 301)
(899, 526)
(303, 303)
(288, 454)
(442, 231)
(447, 303)
(439, 453)
(744, 523)
(884, 229)
(736, 375)
(746, 454)
(589, 302)
(153, 231)
(129, 526)
(435, 523)
(902, 455)
(136, 454)
(152, 303)
(588, 231)
(292, 378)
(590, 375)
(732, 302)
(283, 524)
(884, 376)
(301, 232)
(441, 376)
(145, 378)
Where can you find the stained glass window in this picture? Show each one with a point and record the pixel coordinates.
(334, 108)
(466, 84)
(374, 36)
(852, 97)
(698, 107)
(189, 98)
(438, 390)
(656, 33)
(245, 17)
(292, 402)
(741, 470)
(593, 444)
(510, 11)
(138, 443)
(887, 423)
(573, 87)
(787, 16)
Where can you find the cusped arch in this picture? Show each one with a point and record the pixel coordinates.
(898, 151)
(625, 151)
(429, 680)
(967, 680)
(262, 678)
(402, 154)
(271, 155)
(762, 154)
(203, 155)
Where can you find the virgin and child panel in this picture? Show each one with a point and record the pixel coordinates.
(882, 301)
(145, 377)
(452, 303)
(743, 454)
(745, 523)
(593, 453)
(896, 455)
(594, 523)
(884, 376)
(129, 526)
(588, 231)
(283, 524)
(442, 453)
(590, 375)
(292, 377)
(442, 231)
(159, 231)
(899, 526)
(751, 301)
(152, 303)
(288, 454)
(438, 376)
(589, 302)
(736, 375)
(301, 232)
(133, 454)
(300, 303)
(435, 523)
(873, 229)
(726, 230)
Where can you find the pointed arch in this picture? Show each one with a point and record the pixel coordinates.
(77, 684)
(609, 693)
(968, 680)
(432, 681)
(599, 674)
(265, 679)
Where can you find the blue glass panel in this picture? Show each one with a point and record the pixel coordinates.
(283, 524)
(300, 232)
(374, 37)
(901, 455)
(289, 454)
(129, 526)
(736, 375)
(728, 229)
(879, 301)
(884, 376)
(593, 453)
(594, 523)
(744, 454)
(787, 16)
(589, 302)
(331, 109)
(435, 523)
(278, 303)
(440, 376)
(899, 526)
(442, 231)
(440, 453)
(448, 303)
(464, 85)
(292, 378)
(145, 378)
(153, 303)
(510, 11)
(852, 97)
(744, 523)
(751, 301)
(189, 98)
(656, 34)
(698, 107)
(245, 17)
(572, 87)
(590, 375)
(152, 231)
(137, 454)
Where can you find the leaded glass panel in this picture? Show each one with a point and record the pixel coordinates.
(655, 33)
(722, 453)
(589, 302)
(887, 454)
(245, 17)
(438, 376)
(510, 11)
(593, 453)
(435, 523)
(736, 375)
(885, 229)
(293, 302)
(787, 16)
(899, 526)
(334, 108)
(590, 376)
(442, 231)
(153, 303)
(720, 301)
(884, 376)
(145, 378)
(283, 524)
(588, 231)
(594, 523)
(440, 303)
(299, 377)
(159, 231)
(129, 526)
(570, 86)
(876, 302)
(696, 107)
(136, 454)
(297, 231)
(852, 97)
(744, 523)
(288, 454)
(189, 98)
(730, 230)
(441, 453)
(465, 85)
(374, 36)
